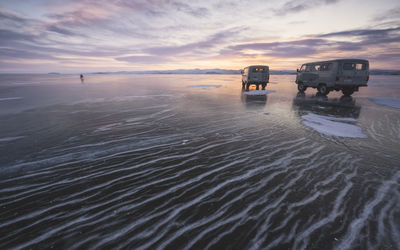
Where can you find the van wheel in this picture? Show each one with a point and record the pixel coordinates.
(301, 87)
(347, 91)
(323, 90)
(263, 86)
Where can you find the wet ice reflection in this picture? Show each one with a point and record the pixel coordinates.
(329, 116)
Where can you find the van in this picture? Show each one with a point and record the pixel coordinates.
(346, 75)
(255, 74)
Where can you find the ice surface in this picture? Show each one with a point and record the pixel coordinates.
(259, 92)
(391, 102)
(333, 126)
(204, 86)
(172, 166)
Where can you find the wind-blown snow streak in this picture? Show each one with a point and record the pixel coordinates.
(10, 99)
(8, 139)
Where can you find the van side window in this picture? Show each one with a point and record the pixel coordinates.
(361, 66)
(316, 67)
(349, 66)
(326, 67)
(308, 68)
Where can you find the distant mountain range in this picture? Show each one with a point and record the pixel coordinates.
(197, 71)
(223, 72)
(231, 72)
(384, 72)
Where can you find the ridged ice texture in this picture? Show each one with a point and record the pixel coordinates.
(190, 171)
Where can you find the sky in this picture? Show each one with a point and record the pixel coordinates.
(67, 36)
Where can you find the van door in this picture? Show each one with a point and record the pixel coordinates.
(349, 73)
(325, 74)
(360, 73)
(308, 77)
(259, 74)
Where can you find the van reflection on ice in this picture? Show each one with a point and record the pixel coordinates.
(254, 99)
(329, 117)
(344, 106)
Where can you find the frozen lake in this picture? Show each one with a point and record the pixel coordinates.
(193, 162)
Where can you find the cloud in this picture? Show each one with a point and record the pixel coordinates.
(194, 11)
(196, 47)
(10, 16)
(143, 59)
(8, 35)
(22, 54)
(299, 48)
(63, 31)
(375, 33)
(393, 13)
(359, 41)
(294, 6)
(365, 37)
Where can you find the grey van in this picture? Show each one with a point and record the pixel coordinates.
(346, 75)
(255, 74)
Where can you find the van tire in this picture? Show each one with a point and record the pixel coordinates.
(323, 89)
(347, 91)
(301, 87)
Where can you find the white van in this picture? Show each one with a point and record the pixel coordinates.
(255, 74)
(346, 75)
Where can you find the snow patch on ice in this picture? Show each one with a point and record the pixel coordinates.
(10, 98)
(383, 84)
(390, 102)
(8, 139)
(24, 83)
(333, 126)
(259, 92)
(124, 98)
(204, 86)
